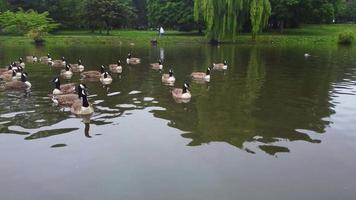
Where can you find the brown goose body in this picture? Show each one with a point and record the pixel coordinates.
(198, 75)
(15, 85)
(91, 75)
(115, 68)
(57, 63)
(67, 88)
(67, 99)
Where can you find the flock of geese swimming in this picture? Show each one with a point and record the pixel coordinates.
(14, 77)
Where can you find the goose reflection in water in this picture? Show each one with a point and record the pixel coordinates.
(86, 121)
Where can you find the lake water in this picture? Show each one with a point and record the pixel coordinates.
(275, 125)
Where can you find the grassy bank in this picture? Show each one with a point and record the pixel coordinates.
(306, 35)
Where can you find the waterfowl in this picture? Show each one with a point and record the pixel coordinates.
(19, 63)
(67, 72)
(157, 66)
(82, 107)
(93, 75)
(58, 63)
(46, 59)
(168, 78)
(32, 59)
(23, 84)
(69, 99)
(306, 55)
(79, 67)
(131, 60)
(9, 76)
(6, 70)
(116, 68)
(182, 93)
(19, 71)
(106, 79)
(220, 66)
(201, 75)
(62, 89)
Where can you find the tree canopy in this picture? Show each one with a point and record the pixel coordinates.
(224, 18)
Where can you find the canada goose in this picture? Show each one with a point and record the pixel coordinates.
(116, 68)
(168, 78)
(157, 66)
(131, 60)
(23, 84)
(19, 71)
(58, 63)
(201, 75)
(62, 89)
(6, 70)
(83, 107)
(67, 72)
(79, 67)
(93, 75)
(220, 66)
(20, 63)
(32, 59)
(46, 59)
(106, 79)
(69, 99)
(8, 76)
(182, 93)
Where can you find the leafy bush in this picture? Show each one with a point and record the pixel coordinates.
(346, 38)
(30, 23)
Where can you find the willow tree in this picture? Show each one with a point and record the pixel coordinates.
(225, 17)
(260, 10)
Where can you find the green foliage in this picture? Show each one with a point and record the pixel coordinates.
(225, 17)
(108, 13)
(172, 14)
(21, 22)
(260, 11)
(348, 11)
(3, 5)
(346, 38)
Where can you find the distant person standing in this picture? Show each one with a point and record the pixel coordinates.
(161, 31)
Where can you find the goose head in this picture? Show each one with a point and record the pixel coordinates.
(102, 69)
(67, 67)
(185, 87)
(24, 76)
(85, 100)
(208, 71)
(80, 88)
(170, 72)
(57, 83)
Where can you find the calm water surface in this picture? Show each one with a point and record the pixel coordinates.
(274, 126)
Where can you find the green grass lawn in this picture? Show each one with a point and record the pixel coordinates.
(305, 35)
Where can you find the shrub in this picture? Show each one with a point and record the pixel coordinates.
(346, 38)
(30, 23)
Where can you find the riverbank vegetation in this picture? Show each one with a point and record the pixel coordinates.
(265, 21)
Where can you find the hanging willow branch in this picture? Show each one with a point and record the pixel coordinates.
(225, 17)
(260, 11)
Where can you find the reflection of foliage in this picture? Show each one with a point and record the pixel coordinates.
(256, 73)
(49, 133)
